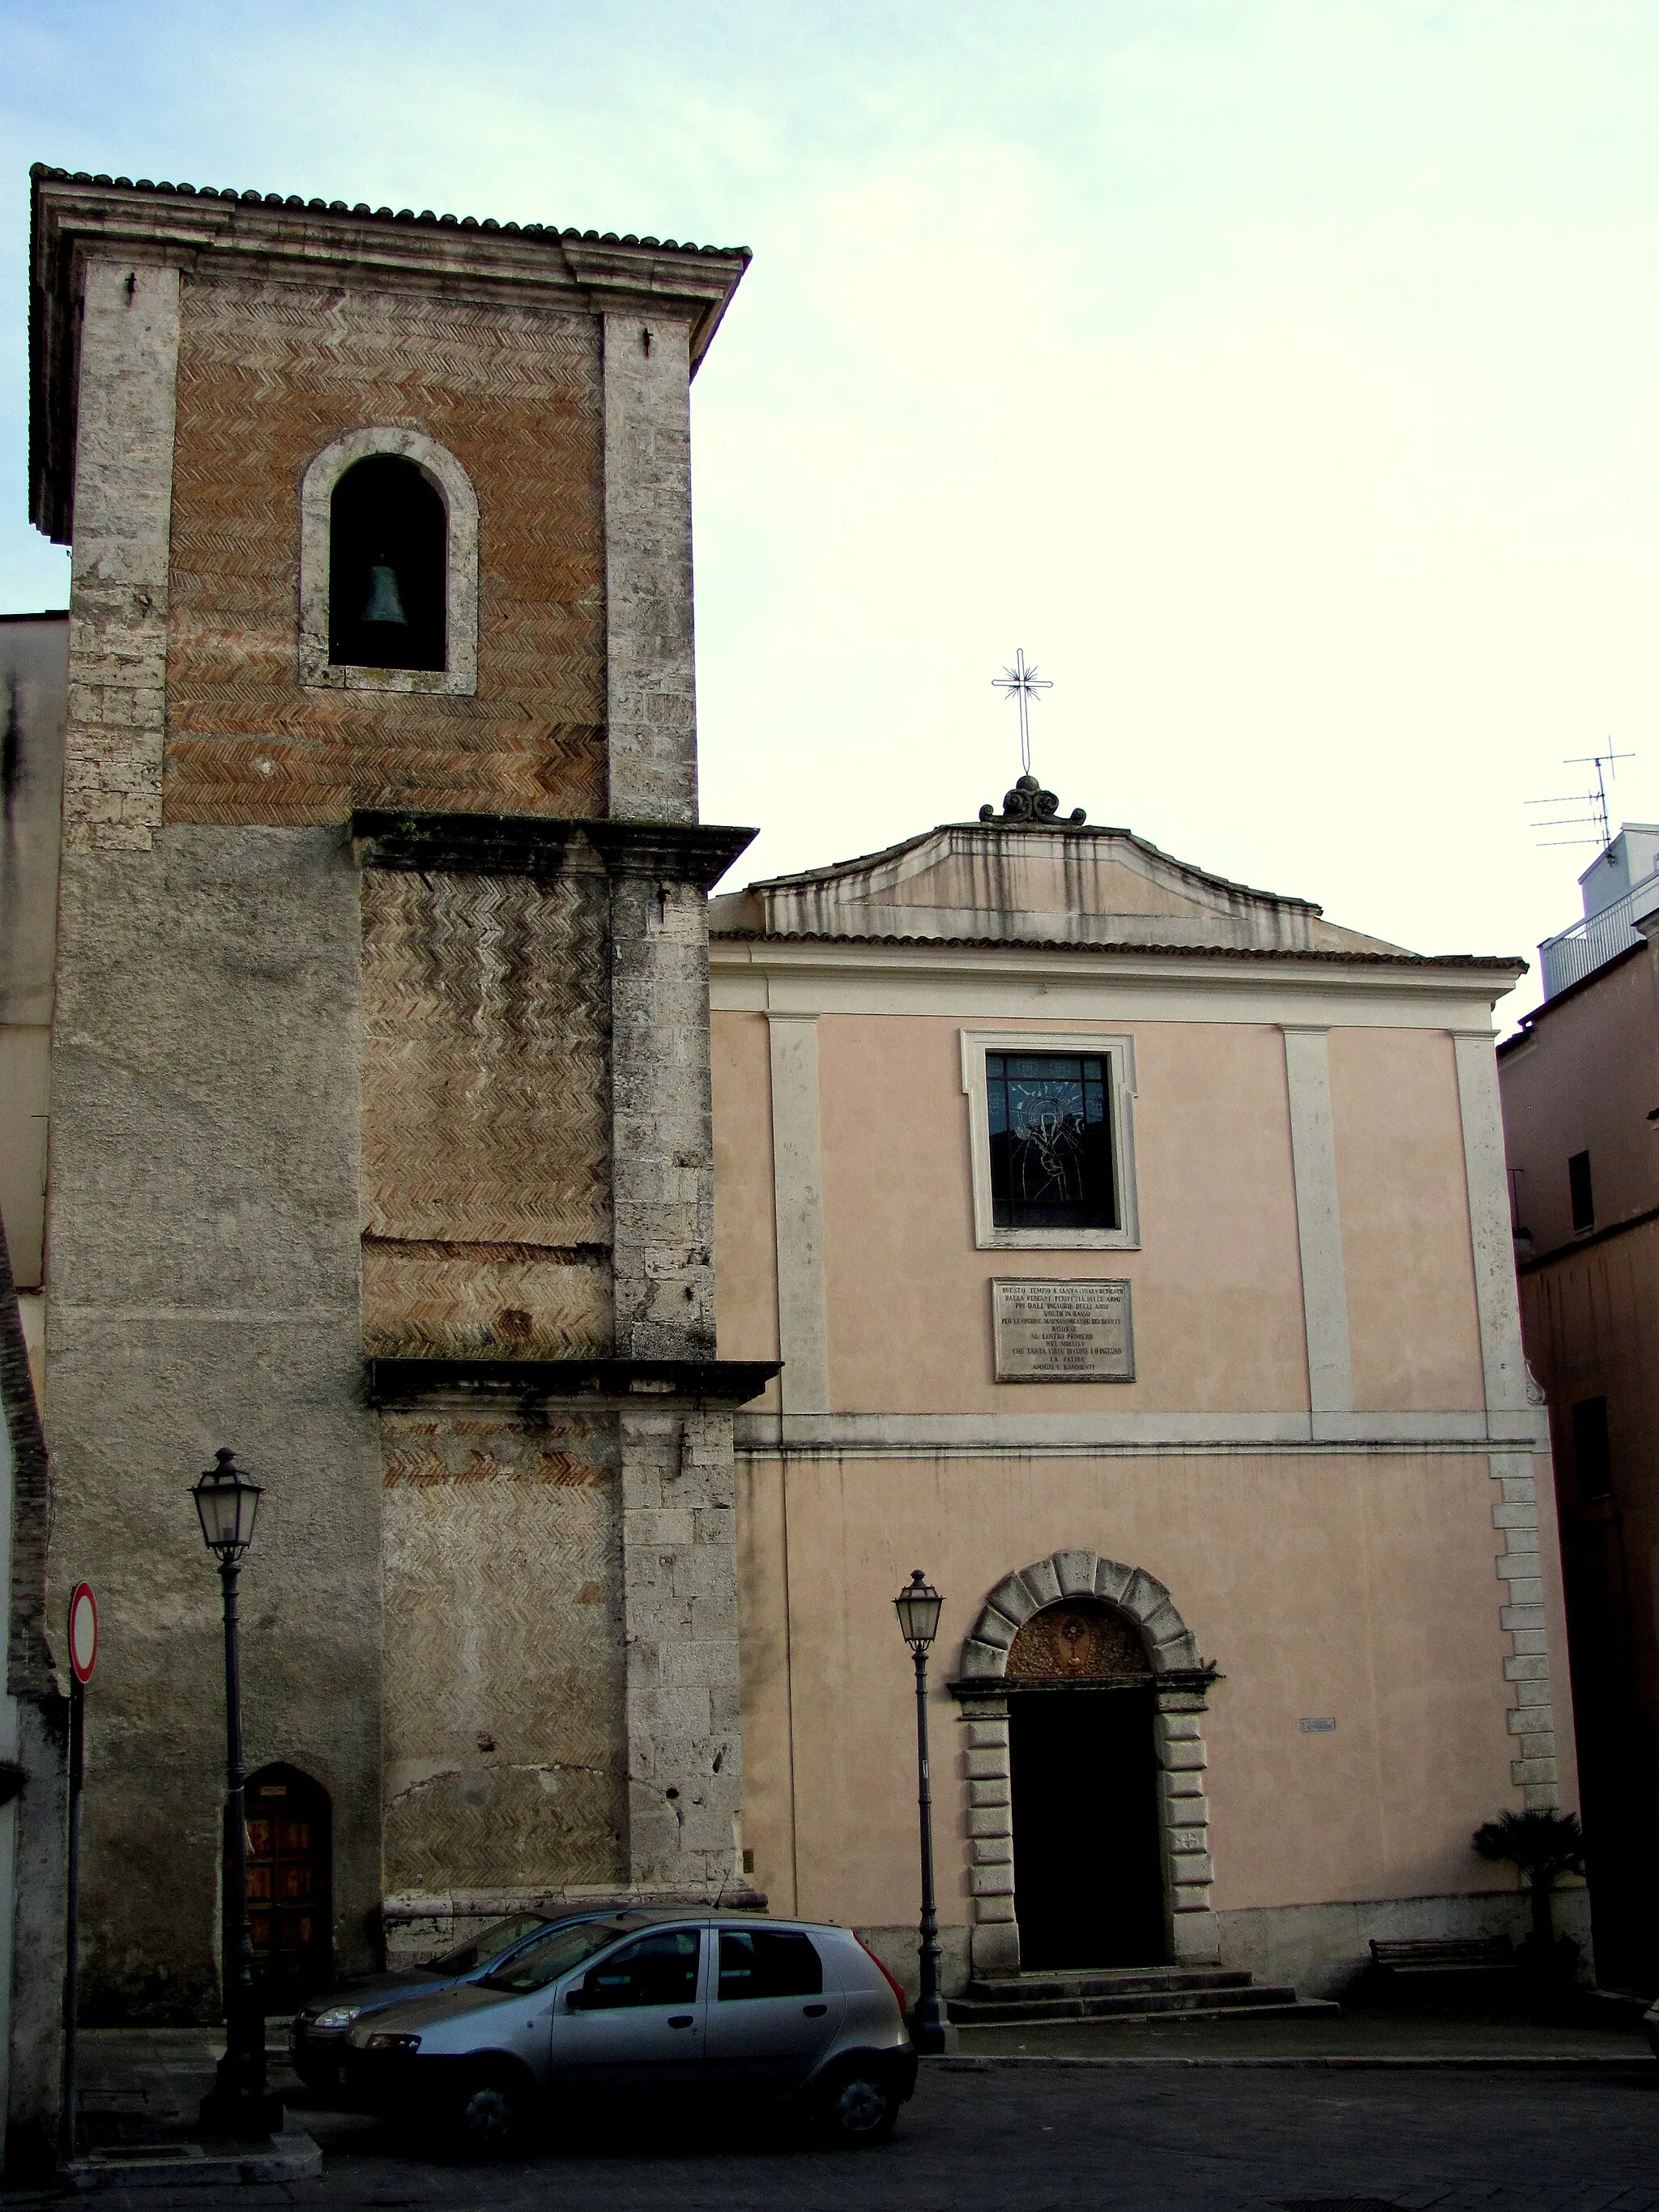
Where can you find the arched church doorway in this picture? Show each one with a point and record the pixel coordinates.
(290, 1883)
(1088, 1852)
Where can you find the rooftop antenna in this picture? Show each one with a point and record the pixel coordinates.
(1022, 684)
(1596, 799)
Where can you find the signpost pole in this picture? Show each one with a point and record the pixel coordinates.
(82, 1657)
(77, 1732)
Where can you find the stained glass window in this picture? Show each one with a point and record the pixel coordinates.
(1051, 1141)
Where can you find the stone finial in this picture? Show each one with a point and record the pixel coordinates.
(1028, 803)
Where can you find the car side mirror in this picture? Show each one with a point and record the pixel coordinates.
(576, 1999)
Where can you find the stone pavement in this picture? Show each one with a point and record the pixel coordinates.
(1021, 2137)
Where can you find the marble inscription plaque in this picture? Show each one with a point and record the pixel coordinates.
(1077, 1330)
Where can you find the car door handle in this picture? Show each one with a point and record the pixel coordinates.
(815, 2012)
(682, 2020)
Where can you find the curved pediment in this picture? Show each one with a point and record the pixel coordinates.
(1034, 883)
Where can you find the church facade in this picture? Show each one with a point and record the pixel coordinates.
(1136, 1247)
(615, 1312)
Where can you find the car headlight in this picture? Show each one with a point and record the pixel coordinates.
(388, 2042)
(335, 2016)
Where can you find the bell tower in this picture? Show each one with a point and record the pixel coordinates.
(380, 1142)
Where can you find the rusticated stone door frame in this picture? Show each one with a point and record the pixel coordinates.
(1179, 1681)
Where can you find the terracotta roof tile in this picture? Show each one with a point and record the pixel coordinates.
(363, 210)
(1175, 951)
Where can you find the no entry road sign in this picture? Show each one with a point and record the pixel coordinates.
(83, 1631)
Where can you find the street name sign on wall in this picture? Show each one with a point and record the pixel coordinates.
(1075, 1330)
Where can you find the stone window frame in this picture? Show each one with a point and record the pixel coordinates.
(1178, 1694)
(1118, 1050)
(458, 677)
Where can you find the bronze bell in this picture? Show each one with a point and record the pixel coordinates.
(384, 604)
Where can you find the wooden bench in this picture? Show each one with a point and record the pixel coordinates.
(1444, 1954)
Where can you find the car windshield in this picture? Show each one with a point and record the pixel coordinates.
(558, 1951)
(496, 1939)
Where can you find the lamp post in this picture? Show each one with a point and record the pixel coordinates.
(238, 2104)
(917, 1605)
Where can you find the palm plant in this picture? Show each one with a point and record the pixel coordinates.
(1544, 1846)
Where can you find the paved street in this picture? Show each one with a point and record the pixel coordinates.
(1023, 2139)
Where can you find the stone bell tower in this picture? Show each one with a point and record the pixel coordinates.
(380, 1140)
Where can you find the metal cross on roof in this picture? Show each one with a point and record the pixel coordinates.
(1022, 684)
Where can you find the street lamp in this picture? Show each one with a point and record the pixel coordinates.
(918, 1606)
(238, 2104)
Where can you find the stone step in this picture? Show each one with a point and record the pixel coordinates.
(1242, 1997)
(1105, 1981)
(1297, 2009)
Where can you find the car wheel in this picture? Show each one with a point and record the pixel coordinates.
(860, 2106)
(489, 2115)
(322, 2074)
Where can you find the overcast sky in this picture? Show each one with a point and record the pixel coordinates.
(1279, 374)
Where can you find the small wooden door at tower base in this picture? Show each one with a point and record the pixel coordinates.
(290, 1884)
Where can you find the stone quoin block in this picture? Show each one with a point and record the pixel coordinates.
(1529, 1615)
(984, 1735)
(1540, 1769)
(989, 1821)
(1179, 1810)
(1181, 1757)
(990, 1765)
(991, 1880)
(1515, 1515)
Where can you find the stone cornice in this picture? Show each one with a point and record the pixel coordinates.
(1460, 975)
(540, 845)
(270, 238)
(637, 1384)
(1196, 1680)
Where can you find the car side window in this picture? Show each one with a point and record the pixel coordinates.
(660, 1969)
(769, 1962)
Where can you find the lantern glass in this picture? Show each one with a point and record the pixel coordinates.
(228, 1504)
(918, 1606)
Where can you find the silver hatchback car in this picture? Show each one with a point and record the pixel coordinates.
(654, 2003)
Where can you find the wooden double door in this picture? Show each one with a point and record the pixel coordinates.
(290, 1884)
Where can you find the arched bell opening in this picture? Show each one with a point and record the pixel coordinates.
(388, 567)
(290, 1883)
(1089, 1887)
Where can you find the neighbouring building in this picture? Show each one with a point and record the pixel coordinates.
(33, 1707)
(1580, 1084)
(1137, 1251)
(34, 1779)
(379, 1128)
(33, 660)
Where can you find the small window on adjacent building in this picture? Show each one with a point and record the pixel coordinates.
(1051, 1141)
(388, 567)
(1578, 1184)
(1592, 1454)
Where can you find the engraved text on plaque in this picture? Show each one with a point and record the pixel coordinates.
(1076, 1330)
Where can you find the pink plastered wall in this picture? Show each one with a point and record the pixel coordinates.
(1413, 1327)
(1353, 1589)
